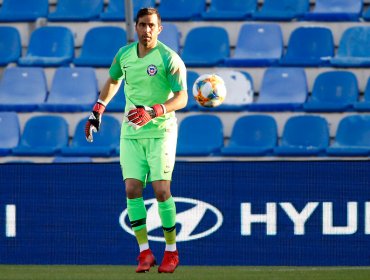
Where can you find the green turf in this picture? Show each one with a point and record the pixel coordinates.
(24, 272)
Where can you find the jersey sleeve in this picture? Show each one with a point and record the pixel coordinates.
(177, 74)
(115, 70)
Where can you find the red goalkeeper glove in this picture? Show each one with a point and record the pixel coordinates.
(94, 121)
(141, 115)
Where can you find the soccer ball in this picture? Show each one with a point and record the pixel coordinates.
(209, 90)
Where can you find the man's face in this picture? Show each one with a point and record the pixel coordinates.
(147, 29)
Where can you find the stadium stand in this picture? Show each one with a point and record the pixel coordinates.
(306, 135)
(70, 10)
(353, 48)
(230, 10)
(282, 89)
(258, 45)
(100, 45)
(104, 144)
(49, 46)
(190, 79)
(170, 36)
(335, 10)
(352, 137)
(364, 104)
(27, 11)
(333, 91)
(198, 52)
(9, 137)
(317, 49)
(73, 89)
(43, 136)
(22, 89)
(115, 11)
(252, 135)
(181, 10)
(10, 45)
(209, 136)
(283, 10)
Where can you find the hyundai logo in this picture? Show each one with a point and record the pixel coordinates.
(190, 220)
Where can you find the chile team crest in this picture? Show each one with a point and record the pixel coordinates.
(152, 70)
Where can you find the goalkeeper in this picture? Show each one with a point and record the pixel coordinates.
(155, 86)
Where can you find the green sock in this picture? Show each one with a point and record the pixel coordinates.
(137, 216)
(167, 212)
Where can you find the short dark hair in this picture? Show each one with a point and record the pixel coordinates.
(146, 12)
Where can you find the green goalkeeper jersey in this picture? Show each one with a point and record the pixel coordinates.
(148, 81)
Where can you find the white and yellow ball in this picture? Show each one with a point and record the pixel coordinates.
(209, 90)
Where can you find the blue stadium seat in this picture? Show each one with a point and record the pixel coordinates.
(10, 132)
(353, 50)
(71, 10)
(352, 137)
(282, 10)
(26, 11)
(335, 10)
(305, 135)
(116, 9)
(317, 50)
(61, 159)
(239, 88)
(118, 102)
(100, 45)
(200, 135)
(333, 91)
(10, 45)
(259, 44)
(252, 135)
(366, 15)
(282, 89)
(192, 105)
(105, 141)
(181, 10)
(198, 52)
(364, 105)
(43, 136)
(220, 10)
(22, 89)
(170, 36)
(72, 89)
(49, 46)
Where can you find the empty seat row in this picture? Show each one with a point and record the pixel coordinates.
(24, 89)
(257, 45)
(252, 135)
(184, 10)
(256, 135)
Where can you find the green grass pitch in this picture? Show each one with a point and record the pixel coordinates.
(76, 272)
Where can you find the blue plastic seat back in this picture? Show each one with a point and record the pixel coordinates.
(118, 102)
(45, 132)
(22, 88)
(258, 44)
(73, 89)
(115, 11)
(199, 52)
(366, 15)
(100, 45)
(254, 131)
(200, 135)
(282, 89)
(317, 49)
(283, 9)
(82, 10)
(307, 131)
(354, 42)
(335, 86)
(170, 36)
(354, 130)
(181, 10)
(10, 45)
(192, 105)
(108, 135)
(331, 10)
(10, 132)
(49, 46)
(230, 10)
(28, 10)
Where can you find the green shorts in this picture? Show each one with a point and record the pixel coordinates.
(148, 159)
